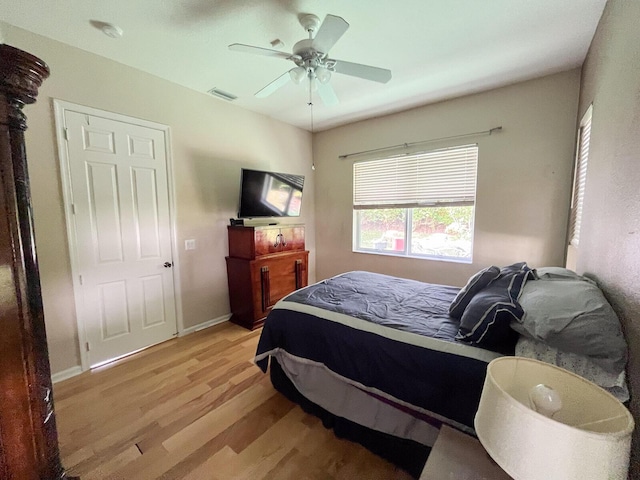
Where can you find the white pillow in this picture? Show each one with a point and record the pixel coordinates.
(615, 384)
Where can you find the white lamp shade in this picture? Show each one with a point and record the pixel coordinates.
(589, 438)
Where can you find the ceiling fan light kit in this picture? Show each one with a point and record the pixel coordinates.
(323, 74)
(311, 57)
(298, 74)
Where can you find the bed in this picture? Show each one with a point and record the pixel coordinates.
(386, 361)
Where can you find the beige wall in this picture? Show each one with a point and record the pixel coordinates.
(524, 177)
(211, 141)
(610, 236)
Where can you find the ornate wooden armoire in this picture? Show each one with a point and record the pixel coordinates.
(28, 436)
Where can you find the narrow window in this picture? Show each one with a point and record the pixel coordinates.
(418, 205)
(580, 178)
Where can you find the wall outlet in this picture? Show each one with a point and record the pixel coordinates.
(190, 244)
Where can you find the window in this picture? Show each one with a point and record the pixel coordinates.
(419, 205)
(580, 177)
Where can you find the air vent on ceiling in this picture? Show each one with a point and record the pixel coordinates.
(216, 92)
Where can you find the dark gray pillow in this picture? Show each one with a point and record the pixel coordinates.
(486, 319)
(476, 283)
(516, 268)
(573, 315)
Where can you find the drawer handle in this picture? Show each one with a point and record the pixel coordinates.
(280, 241)
(265, 288)
(298, 271)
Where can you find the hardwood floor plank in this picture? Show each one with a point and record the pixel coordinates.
(197, 408)
(150, 465)
(257, 422)
(77, 456)
(208, 426)
(208, 469)
(295, 466)
(264, 453)
(177, 420)
(237, 436)
(250, 371)
(123, 458)
(173, 400)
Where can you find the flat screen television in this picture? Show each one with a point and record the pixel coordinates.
(270, 194)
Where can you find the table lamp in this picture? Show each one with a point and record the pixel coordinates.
(541, 422)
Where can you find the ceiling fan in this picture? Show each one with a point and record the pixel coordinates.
(311, 57)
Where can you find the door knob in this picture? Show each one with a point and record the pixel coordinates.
(168, 264)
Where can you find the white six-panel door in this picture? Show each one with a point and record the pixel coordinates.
(119, 189)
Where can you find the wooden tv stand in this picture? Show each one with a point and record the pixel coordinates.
(265, 263)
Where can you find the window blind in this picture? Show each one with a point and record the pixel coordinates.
(580, 178)
(439, 177)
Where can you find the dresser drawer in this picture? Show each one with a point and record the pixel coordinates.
(253, 242)
(256, 285)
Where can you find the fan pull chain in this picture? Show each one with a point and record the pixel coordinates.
(313, 163)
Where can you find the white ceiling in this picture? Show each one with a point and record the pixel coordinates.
(436, 49)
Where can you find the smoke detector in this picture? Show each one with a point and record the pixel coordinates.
(109, 29)
(216, 92)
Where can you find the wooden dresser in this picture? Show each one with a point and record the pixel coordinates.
(265, 263)
(28, 434)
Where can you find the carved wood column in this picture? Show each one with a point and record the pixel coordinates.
(28, 435)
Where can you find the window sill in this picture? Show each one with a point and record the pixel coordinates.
(414, 257)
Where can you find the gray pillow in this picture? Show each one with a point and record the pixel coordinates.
(573, 315)
(557, 273)
(476, 283)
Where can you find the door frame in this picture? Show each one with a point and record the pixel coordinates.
(60, 108)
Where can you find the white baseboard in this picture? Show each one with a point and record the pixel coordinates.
(202, 326)
(66, 374)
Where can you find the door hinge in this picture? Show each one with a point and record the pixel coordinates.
(80, 278)
(73, 209)
(66, 133)
(87, 346)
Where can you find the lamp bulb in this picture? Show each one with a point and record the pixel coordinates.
(545, 400)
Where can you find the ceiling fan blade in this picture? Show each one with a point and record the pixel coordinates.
(329, 33)
(327, 94)
(367, 72)
(239, 47)
(279, 82)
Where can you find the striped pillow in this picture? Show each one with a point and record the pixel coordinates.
(485, 321)
(476, 283)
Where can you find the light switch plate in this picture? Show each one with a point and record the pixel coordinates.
(190, 244)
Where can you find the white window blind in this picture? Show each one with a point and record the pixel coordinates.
(580, 178)
(440, 177)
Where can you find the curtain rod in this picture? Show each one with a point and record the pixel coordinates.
(407, 145)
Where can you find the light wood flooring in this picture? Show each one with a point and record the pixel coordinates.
(197, 408)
